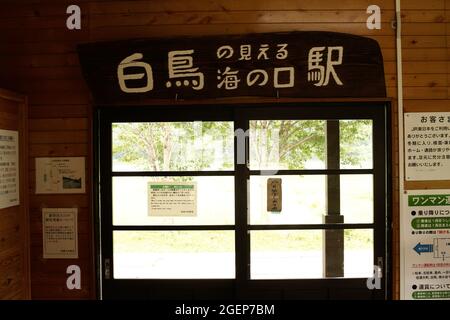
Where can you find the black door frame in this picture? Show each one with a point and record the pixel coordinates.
(242, 287)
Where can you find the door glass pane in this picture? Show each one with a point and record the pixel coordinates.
(299, 254)
(356, 144)
(286, 254)
(174, 254)
(304, 199)
(214, 201)
(357, 198)
(358, 254)
(173, 146)
(287, 144)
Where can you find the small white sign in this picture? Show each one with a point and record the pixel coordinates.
(172, 199)
(60, 235)
(425, 245)
(60, 175)
(9, 169)
(427, 146)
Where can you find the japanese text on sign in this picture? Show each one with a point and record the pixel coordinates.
(427, 146)
(426, 245)
(172, 199)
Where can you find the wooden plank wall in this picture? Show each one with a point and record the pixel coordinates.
(38, 57)
(14, 224)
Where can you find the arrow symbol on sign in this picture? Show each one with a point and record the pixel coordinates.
(421, 248)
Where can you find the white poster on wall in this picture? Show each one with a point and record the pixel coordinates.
(172, 199)
(9, 168)
(425, 245)
(427, 146)
(60, 175)
(60, 235)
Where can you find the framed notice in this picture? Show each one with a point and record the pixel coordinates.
(425, 245)
(9, 168)
(60, 175)
(60, 236)
(427, 146)
(172, 199)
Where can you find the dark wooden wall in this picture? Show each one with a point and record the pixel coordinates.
(38, 57)
(14, 224)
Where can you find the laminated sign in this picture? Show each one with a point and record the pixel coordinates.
(172, 199)
(426, 245)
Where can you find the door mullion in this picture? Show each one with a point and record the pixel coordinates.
(242, 240)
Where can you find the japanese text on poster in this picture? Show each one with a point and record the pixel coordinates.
(426, 245)
(427, 146)
(60, 175)
(9, 168)
(177, 199)
(60, 233)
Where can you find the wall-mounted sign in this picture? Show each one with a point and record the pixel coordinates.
(60, 175)
(9, 168)
(427, 146)
(274, 195)
(172, 199)
(60, 235)
(294, 64)
(426, 245)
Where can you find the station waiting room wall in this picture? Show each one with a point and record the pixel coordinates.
(39, 59)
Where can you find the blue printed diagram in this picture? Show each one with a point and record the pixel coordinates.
(440, 248)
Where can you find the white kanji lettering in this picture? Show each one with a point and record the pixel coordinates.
(262, 52)
(228, 78)
(225, 52)
(321, 74)
(276, 77)
(128, 62)
(282, 53)
(246, 52)
(255, 75)
(181, 66)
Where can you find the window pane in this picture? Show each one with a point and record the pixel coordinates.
(303, 200)
(173, 146)
(358, 254)
(174, 254)
(357, 198)
(214, 201)
(286, 254)
(287, 144)
(299, 254)
(356, 144)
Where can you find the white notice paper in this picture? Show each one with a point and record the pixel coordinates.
(9, 168)
(172, 199)
(60, 175)
(60, 235)
(425, 245)
(427, 146)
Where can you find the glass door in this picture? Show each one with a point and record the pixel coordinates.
(265, 201)
(316, 202)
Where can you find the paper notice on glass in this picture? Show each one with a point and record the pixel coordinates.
(9, 168)
(60, 175)
(60, 235)
(172, 199)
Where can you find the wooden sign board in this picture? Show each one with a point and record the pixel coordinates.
(274, 195)
(294, 64)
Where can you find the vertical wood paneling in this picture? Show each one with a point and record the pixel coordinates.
(40, 59)
(14, 224)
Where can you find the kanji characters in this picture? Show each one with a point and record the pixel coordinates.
(180, 66)
(228, 79)
(129, 62)
(320, 74)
